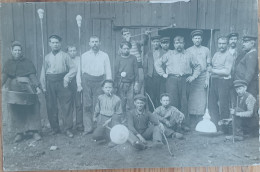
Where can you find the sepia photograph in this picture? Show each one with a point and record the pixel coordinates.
(129, 84)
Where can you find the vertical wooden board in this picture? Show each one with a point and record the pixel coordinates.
(119, 14)
(201, 14)
(211, 169)
(18, 24)
(195, 14)
(175, 7)
(74, 9)
(217, 10)
(94, 5)
(237, 169)
(210, 17)
(127, 13)
(242, 16)
(166, 19)
(113, 48)
(135, 13)
(96, 27)
(233, 14)
(7, 35)
(146, 11)
(87, 27)
(30, 32)
(56, 20)
(155, 13)
(254, 17)
(106, 37)
(184, 15)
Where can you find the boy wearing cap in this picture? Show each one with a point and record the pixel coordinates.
(72, 51)
(198, 88)
(170, 117)
(56, 75)
(153, 81)
(139, 125)
(138, 50)
(246, 66)
(107, 111)
(126, 76)
(245, 120)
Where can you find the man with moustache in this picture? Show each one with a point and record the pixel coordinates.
(232, 42)
(246, 66)
(181, 69)
(95, 69)
(153, 81)
(220, 85)
(57, 72)
(198, 88)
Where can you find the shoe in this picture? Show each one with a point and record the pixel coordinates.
(37, 136)
(111, 144)
(18, 138)
(157, 144)
(186, 129)
(87, 132)
(54, 132)
(69, 134)
(139, 145)
(177, 136)
(80, 129)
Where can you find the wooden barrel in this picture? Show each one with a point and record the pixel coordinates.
(19, 98)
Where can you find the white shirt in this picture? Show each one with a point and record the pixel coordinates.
(94, 64)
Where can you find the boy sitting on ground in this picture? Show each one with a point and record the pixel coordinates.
(143, 125)
(170, 117)
(108, 112)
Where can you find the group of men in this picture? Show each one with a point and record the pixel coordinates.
(177, 79)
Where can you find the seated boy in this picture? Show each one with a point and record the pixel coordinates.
(245, 120)
(107, 112)
(143, 125)
(170, 117)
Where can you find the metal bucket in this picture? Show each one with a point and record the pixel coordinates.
(19, 98)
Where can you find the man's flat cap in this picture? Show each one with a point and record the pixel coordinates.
(233, 34)
(239, 83)
(165, 39)
(55, 37)
(196, 33)
(156, 37)
(16, 43)
(249, 37)
(140, 97)
(107, 81)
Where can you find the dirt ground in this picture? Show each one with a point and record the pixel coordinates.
(83, 153)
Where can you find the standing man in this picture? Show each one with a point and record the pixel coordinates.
(57, 71)
(246, 67)
(181, 69)
(153, 81)
(95, 69)
(138, 51)
(220, 85)
(232, 42)
(72, 51)
(198, 88)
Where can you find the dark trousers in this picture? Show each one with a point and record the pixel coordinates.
(154, 87)
(178, 89)
(151, 133)
(244, 126)
(56, 92)
(126, 94)
(219, 99)
(253, 87)
(91, 90)
(77, 104)
(102, 132)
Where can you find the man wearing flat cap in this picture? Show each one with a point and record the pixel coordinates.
(245, 120)
(181, 69)
(198, 92)
(246, 66)
(139, 120)
(153, 81)
(57, 72)
(232, 43)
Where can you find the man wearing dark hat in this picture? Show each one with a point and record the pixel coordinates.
(57, 72)
(220, 81)
(246, 66)
(232, 42)
(138, 50)
(153, 81)
(245, 120)
(198, 93)
(181, 69)
(139, 120)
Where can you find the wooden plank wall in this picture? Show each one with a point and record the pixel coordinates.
(19, 21)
